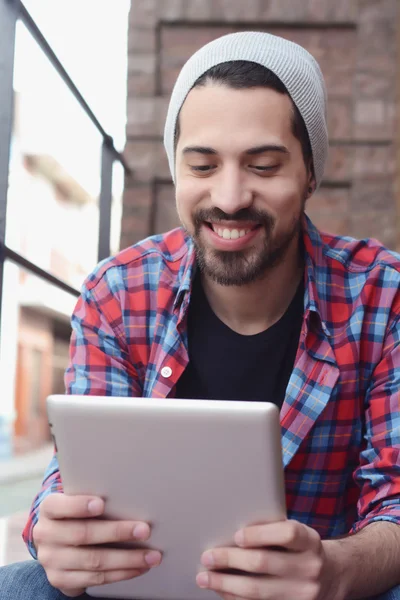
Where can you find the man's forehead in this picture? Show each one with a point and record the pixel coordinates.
(212, 111)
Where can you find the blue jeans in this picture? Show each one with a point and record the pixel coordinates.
(28, 581)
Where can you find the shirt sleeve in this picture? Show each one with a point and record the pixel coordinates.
(99, 365)
(378, 474)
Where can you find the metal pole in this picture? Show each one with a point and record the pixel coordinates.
(29, 266)
(107, 162)
(9, 11)
(8, 19)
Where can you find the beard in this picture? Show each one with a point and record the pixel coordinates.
(237, 268)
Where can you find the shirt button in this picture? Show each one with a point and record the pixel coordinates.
(166, 372)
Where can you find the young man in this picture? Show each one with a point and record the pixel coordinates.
(248, 301)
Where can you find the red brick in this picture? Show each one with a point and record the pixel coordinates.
(237, 10)
(393, 113)
(340, 124)
(141, 74)
(372, 120)
(146, 116)
(332, 12)
(179, 43)
(141, 84)
(147, 159)
(378, 224)
(135, 221)
(377, 50)
(374, 162)
(372, 195)
(132, 236)
(198, 10)
(309, 39)
(373, 84)
(166, 216)
(142, 63)
(339, 165)
(137, 196)
(377, 10)
(144, 13)
(169, 76)
(172, 10)
(317, 10)
(329, 210)
(283, 10)
(329, 201)
(343, 10)
(141, 40)
(336, 55)
(339, 81)
(332, 224)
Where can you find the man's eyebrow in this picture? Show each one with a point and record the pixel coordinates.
(267, 148)
(199, 150)
(251, 151)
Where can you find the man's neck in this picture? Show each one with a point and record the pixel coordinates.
(253, 308)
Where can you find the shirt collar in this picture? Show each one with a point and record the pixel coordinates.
(316, 270)
(186, 274)
(315, 274)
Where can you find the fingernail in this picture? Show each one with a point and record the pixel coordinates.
(95, 506)
(153, 558)
(202, 580)
(208, 559)
(141, 531)
(239, 538)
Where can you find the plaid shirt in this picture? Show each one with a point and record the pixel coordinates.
(341, 415)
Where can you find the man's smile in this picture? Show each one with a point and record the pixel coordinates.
(230, 235)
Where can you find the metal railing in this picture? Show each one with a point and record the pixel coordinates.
(10, 12)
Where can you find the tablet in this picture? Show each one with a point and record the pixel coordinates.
(196, 470)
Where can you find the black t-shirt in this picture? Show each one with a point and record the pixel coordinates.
(225, 365)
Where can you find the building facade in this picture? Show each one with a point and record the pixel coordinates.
(356, 44)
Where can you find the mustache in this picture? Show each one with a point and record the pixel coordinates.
(245, 214)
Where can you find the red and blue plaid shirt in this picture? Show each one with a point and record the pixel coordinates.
(341, 415)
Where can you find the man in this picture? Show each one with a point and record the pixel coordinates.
(248, 301)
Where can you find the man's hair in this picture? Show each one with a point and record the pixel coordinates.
(243, 74)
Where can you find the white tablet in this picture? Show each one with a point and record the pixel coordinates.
(196, 470)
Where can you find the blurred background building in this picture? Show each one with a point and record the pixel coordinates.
(124, 57)
(54, 187)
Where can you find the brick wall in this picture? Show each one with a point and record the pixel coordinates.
(355, 42)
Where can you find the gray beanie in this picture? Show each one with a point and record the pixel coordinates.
(292, 64)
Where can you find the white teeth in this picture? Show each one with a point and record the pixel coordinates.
(230, 234)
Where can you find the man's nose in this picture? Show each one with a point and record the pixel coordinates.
(230, 192)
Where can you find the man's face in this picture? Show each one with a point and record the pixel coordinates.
(241, 181)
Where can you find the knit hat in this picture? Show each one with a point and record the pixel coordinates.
(291, 63)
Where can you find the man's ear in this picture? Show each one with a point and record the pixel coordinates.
(311, 183)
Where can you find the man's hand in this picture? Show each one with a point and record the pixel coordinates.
(283, 560)
(66, 539)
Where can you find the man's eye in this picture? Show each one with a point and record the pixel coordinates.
(202, 168)
(261, 168)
